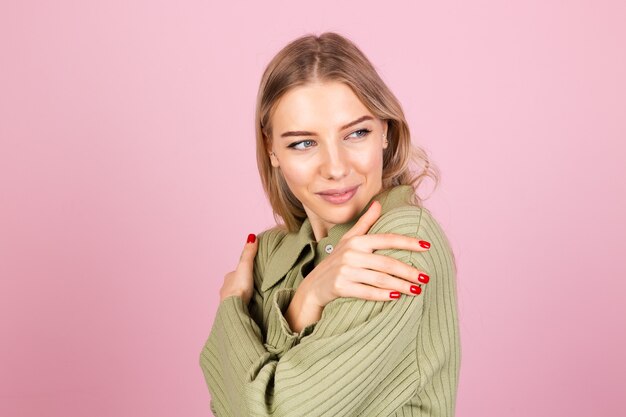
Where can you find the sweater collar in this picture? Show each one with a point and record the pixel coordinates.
(288, 251)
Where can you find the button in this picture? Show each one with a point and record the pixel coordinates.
(329, 248)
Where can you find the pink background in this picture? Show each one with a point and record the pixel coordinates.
(128, 185)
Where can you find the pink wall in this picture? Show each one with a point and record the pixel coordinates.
(128, 185)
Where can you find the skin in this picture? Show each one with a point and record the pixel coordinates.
(330, 157)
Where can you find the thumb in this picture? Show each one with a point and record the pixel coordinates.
(366, 221)
(249, 250)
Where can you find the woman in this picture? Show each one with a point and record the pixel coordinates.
(349, 307)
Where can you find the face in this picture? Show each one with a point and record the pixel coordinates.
(325, 139)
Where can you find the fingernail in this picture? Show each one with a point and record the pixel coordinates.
(394, 294)
(424, 244)
(423, 278)
(415, 289)
(251, 238)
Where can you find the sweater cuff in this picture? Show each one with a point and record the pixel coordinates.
(280, 337)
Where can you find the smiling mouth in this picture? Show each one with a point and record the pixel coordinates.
(340, 198)
(339, 191)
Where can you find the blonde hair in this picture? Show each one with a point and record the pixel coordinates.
(332, 57)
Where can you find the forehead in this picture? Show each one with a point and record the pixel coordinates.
(323, 105)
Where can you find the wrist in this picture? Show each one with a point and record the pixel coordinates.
(302, 310)
(223, 296)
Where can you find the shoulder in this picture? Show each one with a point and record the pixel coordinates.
(269, 240)
(440, 255)
(419, 222)
(409, 220)
(402, 220)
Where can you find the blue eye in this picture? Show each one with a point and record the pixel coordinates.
(366, 132)
(363, 133)
(293, 145)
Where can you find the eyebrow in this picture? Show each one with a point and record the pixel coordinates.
(304, 133)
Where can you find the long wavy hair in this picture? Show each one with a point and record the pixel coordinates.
(333, 57)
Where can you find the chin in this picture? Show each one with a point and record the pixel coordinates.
(342, 214)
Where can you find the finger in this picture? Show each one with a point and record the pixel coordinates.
(394, 241)
(387, 265)
(365, 222)
(368, 292)
(249, 250)
(389, 282)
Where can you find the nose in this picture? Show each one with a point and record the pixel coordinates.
(334, 164)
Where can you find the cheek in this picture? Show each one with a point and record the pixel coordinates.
(296, 173)
(372, 161)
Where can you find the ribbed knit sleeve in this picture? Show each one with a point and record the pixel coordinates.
(360, 359)
(438, 342)
(280, 337)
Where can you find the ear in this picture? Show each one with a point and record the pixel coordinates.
(386, 134)
(274, 160)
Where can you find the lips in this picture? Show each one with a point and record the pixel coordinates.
(339, 196)
(337, 191)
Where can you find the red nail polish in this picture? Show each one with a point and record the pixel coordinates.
(415, 289)
(424, 244)
(394, 294)
(423, 278)
(251, 238)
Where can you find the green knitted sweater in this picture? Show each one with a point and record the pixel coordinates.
(362, 358)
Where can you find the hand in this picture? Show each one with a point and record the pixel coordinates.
(240, 281)
(352, 270)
